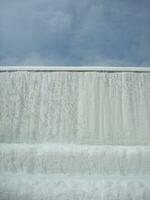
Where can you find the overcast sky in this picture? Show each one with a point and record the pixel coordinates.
(75, 32)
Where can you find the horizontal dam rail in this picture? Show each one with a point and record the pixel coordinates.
(73, 68)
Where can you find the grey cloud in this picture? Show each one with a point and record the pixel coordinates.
(67, 32)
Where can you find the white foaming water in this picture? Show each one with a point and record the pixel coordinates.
(74, 135)
(60, 187)
(75, 159)
(78, 107)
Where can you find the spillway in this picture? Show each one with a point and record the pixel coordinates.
(76, 131)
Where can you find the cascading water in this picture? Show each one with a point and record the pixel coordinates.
(74, 135)
(82, 107)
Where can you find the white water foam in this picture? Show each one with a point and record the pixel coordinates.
(80, 107)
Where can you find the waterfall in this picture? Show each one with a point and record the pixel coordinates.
(76, 135)
(80, 107)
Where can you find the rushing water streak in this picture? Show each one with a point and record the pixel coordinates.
(78, 107)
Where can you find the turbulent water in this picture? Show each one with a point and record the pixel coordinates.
(91, 107)
(74, 135)
(60, 187)
(75, 159)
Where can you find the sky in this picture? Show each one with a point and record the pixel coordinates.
(75, 32)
